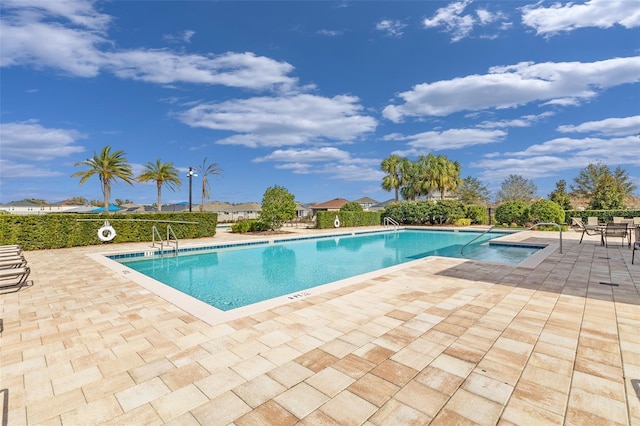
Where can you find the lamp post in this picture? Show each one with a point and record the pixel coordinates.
(191, 174)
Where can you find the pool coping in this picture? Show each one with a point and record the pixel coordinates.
(213, 315)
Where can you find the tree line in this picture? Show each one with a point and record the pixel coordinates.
(603, 188)
(109, 166)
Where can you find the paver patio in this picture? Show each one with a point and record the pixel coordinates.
(444, 341)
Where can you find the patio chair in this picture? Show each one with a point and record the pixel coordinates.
(578, 225)
(616, 230)
(617, 219)
(15, 277)
(636, 245)
(592, 221)
(636, 220)
(13, 262)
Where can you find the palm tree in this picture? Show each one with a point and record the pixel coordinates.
(392, 165)
(162, 174)
(206, 170)
(109, 167)
(446, 175)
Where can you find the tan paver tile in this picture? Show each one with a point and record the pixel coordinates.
(373, 353)
(440, 380)
(141, 394)
(488, 388)
(549, 398)
(396, 413)
(259, 390)
(290, 374)
(474, 407)
(151, 369)
(51, 407)
(374, 389)
(268, 413)
(520, 412)
(394, 372)
(219, 382)
(422, 398)
(253, 367)
(186, 374)
(316, 360)
(179, 402)
(222, 410)
(330, 381)
(143, 415)
(595, 405)
(96, 412)
(301, 400)
(353, 366)
(318, 418)
(107, 386)
(453, 365)
(348, 409)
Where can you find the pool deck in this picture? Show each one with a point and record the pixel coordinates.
(441, 341)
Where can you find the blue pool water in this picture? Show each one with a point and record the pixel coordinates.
(232, 277)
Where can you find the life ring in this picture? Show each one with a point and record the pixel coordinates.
(106, 233)
(336, 223)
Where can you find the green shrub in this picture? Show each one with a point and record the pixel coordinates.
(241, 226)
(446, 211)
(603, 216)
(347, 219)
(546, 211)
(351, 206)
(477, 214)
(51, 231)
(512, 212)
(462, 222)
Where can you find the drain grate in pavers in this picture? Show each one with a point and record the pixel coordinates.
(612, 284)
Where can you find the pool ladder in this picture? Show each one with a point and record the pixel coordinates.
(390, 221)
(171, 239)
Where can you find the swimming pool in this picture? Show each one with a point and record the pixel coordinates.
(229, 277)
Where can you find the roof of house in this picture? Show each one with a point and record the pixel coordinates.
(366, 200)
(336, 203)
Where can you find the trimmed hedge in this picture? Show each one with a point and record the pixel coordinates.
(348, 219)
(423, 212)
(603, 216)
(51, 231)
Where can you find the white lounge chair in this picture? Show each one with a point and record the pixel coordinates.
(14, 277)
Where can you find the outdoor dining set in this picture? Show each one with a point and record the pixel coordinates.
(627, 230)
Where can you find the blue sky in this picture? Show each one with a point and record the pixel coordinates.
(313, 95)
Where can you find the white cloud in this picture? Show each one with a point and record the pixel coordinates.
(12, 170)
(453, 20)
(524, 121)
(31, 141)
(557, 18)
(557, 155)
(330, 33)
(33, 34)
(450, 139)
(77, 12)
(181, 37)
(230, 69)
(392, 28)
(608, 127)
(515, 85)
(306, 155)
(281, 121)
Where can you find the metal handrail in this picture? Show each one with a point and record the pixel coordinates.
(169, 234)
(551, 224)
(464, 246)
(390, 221)
(154, 232)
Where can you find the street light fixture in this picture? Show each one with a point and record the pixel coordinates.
(191, 174)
